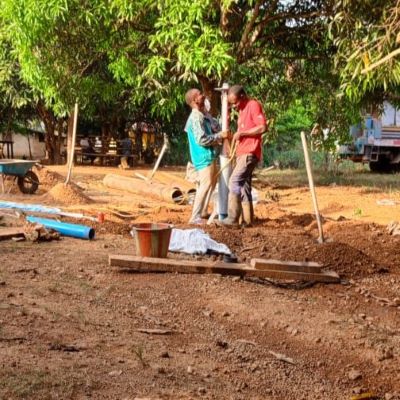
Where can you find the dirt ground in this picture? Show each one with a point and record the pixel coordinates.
(69, 324)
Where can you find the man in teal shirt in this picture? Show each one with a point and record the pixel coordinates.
(203, 152)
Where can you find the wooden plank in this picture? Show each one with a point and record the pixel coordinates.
(277, 265)
(150, 264)
(9, 233)
(324, 276)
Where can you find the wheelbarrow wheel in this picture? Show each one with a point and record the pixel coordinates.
(28, 183)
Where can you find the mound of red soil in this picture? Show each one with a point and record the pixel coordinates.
(68, 195)
(47, 178)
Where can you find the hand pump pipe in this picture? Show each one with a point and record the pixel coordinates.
(224, 158)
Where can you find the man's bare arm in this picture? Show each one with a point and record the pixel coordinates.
(256, 131)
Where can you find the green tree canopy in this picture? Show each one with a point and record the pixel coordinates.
(366, 34)
(120, 59)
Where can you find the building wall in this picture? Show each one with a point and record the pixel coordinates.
(21, 147)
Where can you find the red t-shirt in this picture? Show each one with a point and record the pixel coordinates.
(250, 115)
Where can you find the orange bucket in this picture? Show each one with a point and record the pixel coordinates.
(152, 240)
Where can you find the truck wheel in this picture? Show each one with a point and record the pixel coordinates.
(29, 183)
(382, 165)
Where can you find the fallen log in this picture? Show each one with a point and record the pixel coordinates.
(134, 185)
(150, 264)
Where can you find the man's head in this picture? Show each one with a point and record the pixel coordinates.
(236, 94)
(194, 98)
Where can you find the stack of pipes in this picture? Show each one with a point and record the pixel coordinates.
(168, 193)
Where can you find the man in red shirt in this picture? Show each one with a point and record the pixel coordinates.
(251, 125)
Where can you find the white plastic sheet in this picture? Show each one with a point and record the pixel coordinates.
(38, 208)
(29, 207)
(195, 241)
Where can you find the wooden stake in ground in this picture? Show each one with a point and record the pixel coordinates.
(312, 187)
(71, 159)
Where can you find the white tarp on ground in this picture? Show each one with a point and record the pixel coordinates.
(38, 208)
(29, 207)
(195, 241)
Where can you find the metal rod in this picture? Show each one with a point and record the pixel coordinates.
(140, 176)
(312, 187)
(160, 156)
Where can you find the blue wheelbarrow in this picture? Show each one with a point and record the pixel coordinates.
(21, 171)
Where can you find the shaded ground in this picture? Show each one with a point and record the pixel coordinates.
(69, 324)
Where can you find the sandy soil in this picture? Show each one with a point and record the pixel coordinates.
(69, 324)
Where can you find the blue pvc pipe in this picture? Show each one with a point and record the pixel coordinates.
(65, 229)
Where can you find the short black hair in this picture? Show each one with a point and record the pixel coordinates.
(237, 90)
(189, 96)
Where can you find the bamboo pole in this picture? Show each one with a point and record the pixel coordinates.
(71, 158)
(312, 187)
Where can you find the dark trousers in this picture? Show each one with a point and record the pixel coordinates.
(240, 182)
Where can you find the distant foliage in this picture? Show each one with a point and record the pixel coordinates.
(131, 60)
(366, 34)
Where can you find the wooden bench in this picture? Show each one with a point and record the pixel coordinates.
(113, 159)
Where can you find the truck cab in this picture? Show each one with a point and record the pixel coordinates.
(376, 140)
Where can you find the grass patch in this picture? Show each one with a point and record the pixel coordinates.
(85, 287)
(138, 352)
(37, 384)
(346, 175)
(80, 316)
(55, 287)
(54, 315)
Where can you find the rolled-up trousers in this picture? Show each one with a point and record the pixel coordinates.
(240, 182)
(207, 180)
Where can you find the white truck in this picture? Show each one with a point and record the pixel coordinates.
(376, 141)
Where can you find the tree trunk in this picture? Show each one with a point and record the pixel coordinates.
(49, 141)
(49, 121)
(29, 146)
(104, 136)
(114, 126)
(121, 127)
(208, 87)
(139, 140)
(10, 119)
(58, 159)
